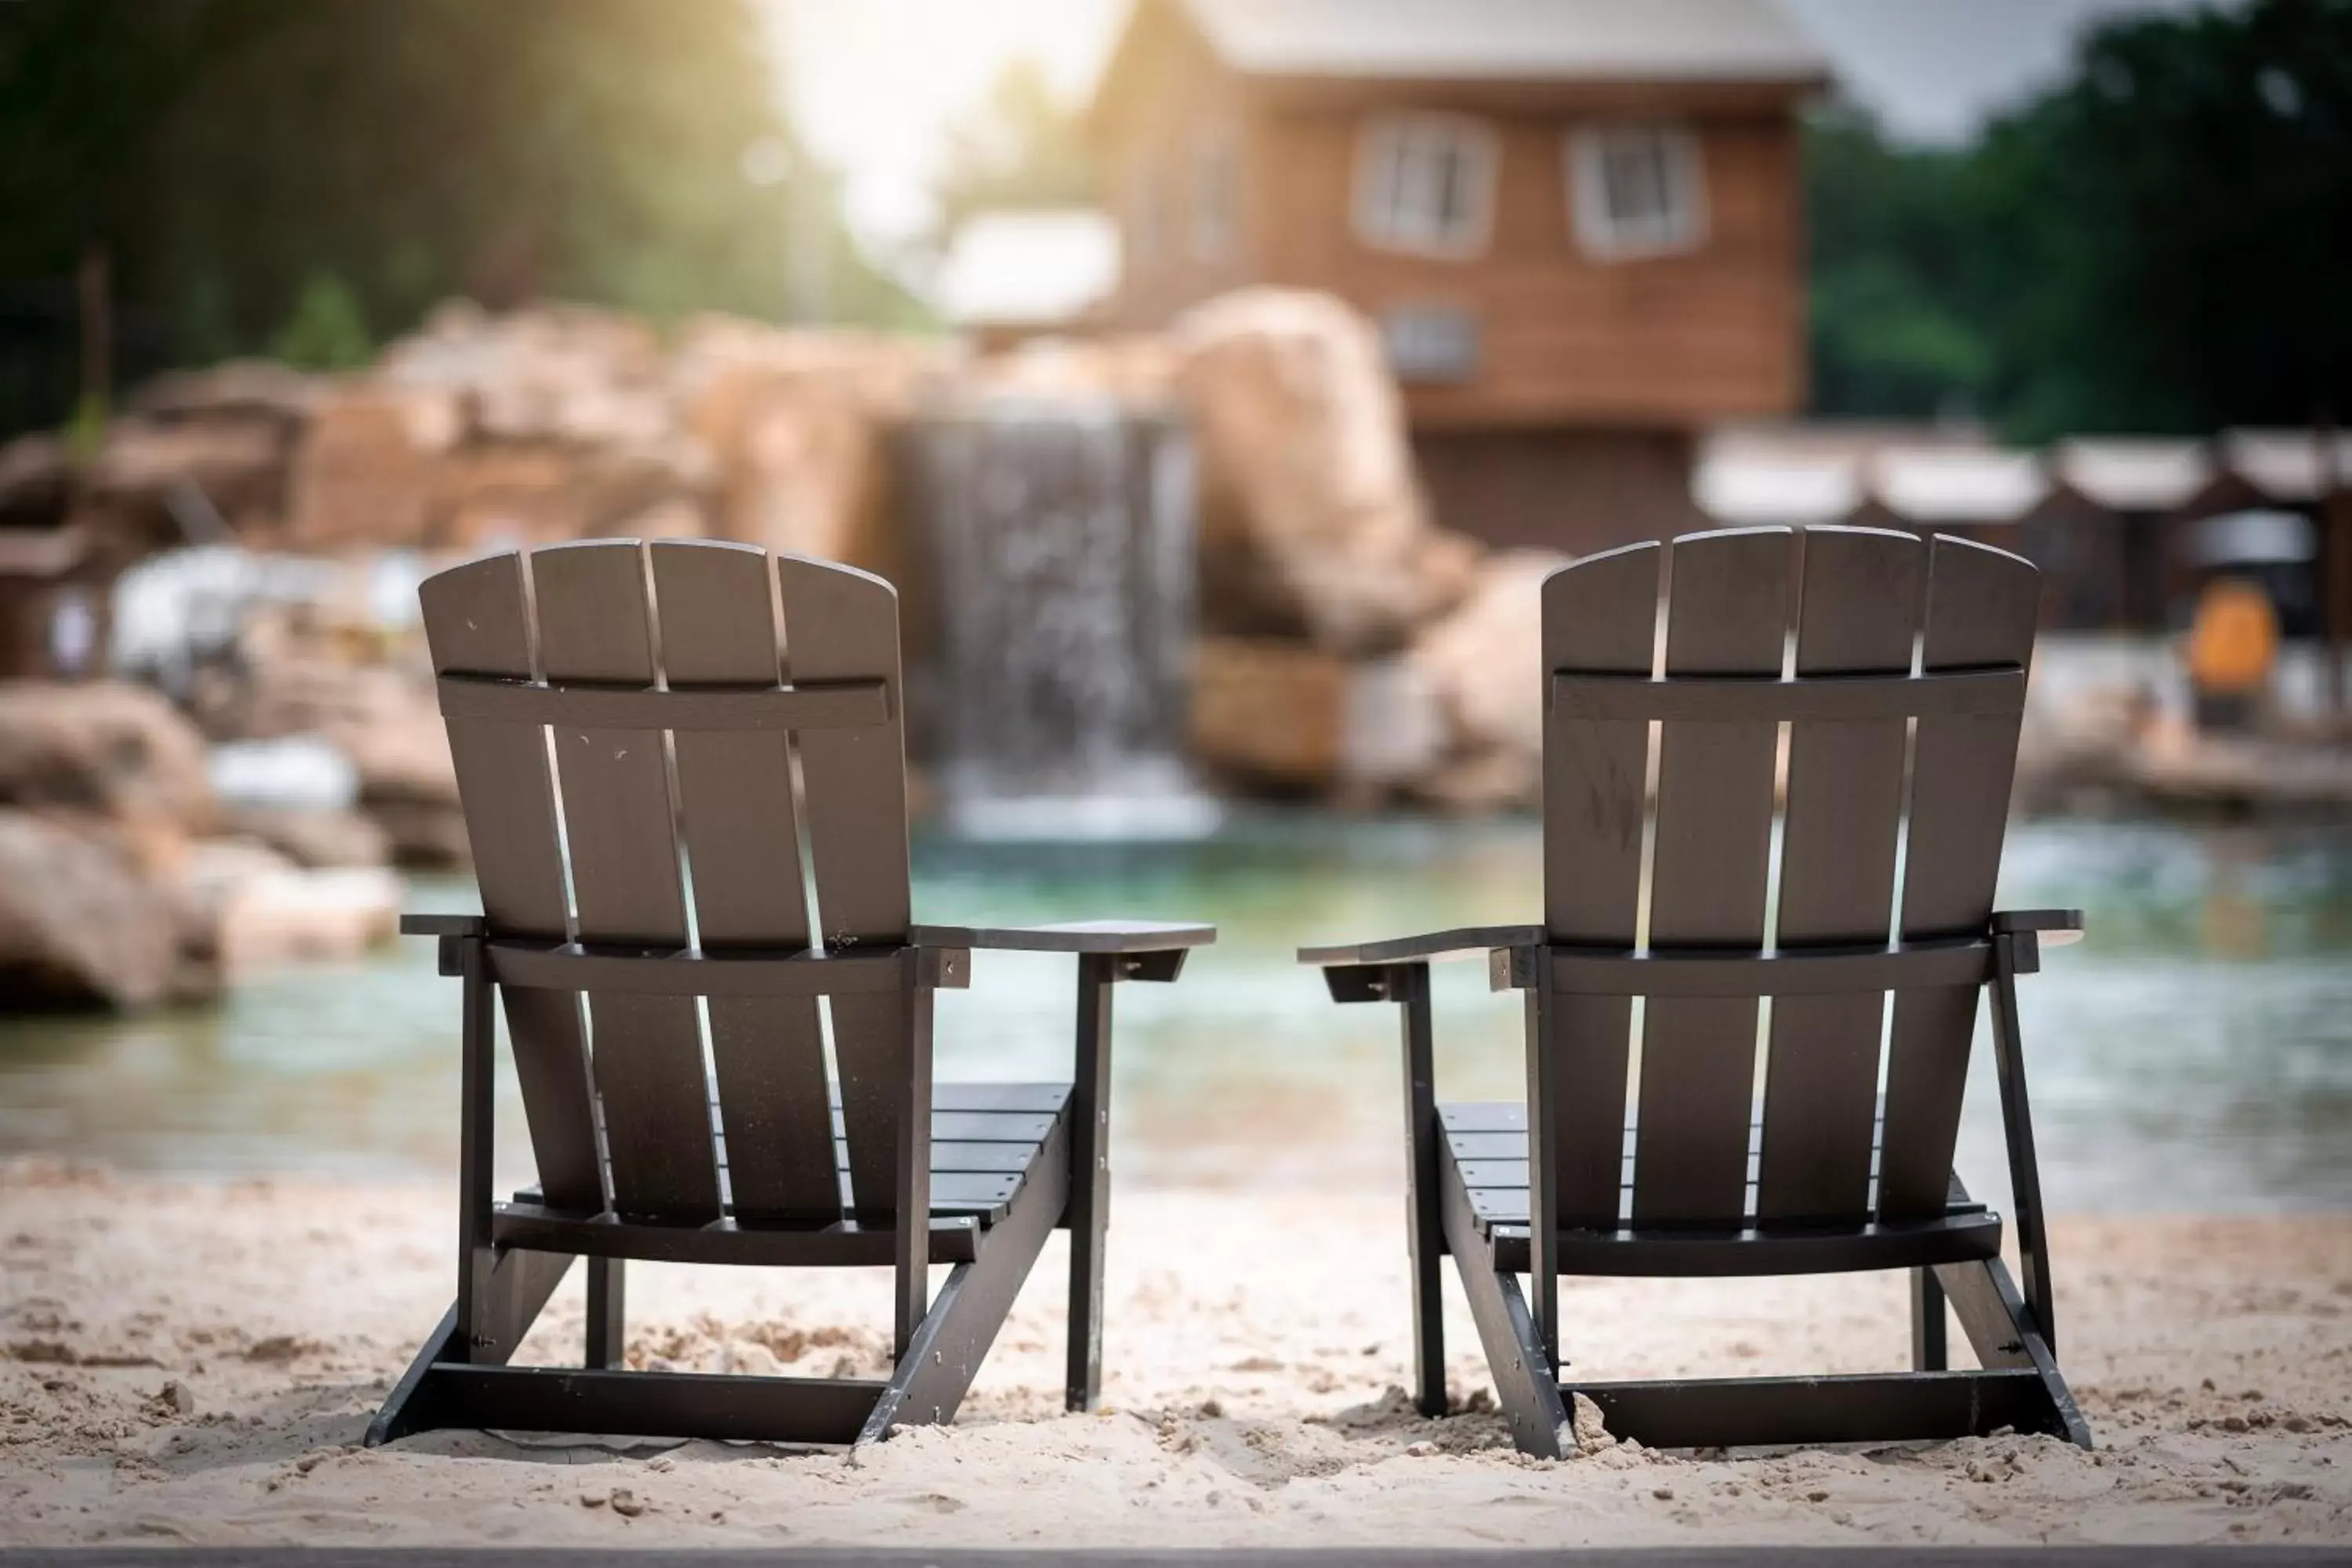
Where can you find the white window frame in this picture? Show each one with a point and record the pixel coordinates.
(1215, 205)
(1679, 226)
(1397, 194)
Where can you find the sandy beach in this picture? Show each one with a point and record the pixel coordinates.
(194, 1363)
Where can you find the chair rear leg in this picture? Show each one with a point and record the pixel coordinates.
(607, 1312)
(1928, 1352)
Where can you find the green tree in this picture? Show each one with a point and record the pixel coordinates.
(1890, 328)
(224, 154)
(2170, 226)
(327, 331)
(2155, 244)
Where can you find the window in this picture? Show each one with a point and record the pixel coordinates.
(1636, 190)
(1215, 195)
(1425, 185)
(1431, 343)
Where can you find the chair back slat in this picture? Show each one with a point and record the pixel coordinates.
(476, 623)
(843, 625)
(620, 827)
(1600, 617)
(1858, 614)
(716, 608)
(1981, 607)
(1726, 613)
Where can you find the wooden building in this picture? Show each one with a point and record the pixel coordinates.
(1578, 224)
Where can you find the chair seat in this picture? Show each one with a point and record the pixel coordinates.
(986, 1138)
(1485, 1152)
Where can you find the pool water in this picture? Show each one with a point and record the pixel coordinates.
(2195, 1053)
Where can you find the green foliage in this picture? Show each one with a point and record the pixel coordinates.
(327, 330)
(2155, 244)
(1022, 147)
(230, 152)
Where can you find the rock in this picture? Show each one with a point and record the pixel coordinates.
(1484, 664)
(1289, 717)
(37, 482)
(82, 920)
(313, 836)
(798, 423)
(176, 1398)
(368, 470)
(1588, 1428)
(1269, 714)
(244, 388)
(268, 913)
(626, 1503)
(117, 751)
(561, 373)
(1310, 520)
(145, 468)
(1137, 369)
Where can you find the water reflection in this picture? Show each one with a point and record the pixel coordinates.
(2195, 1053)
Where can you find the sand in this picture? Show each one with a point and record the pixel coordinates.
(182, 1362)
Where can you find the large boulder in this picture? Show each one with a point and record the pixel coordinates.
(146, 467)
(1311, 523)
(369, 467)
(106, 749)
(1293, 719)
(1483, 666)
(252, 389)
(799, 425)
(37, 482)
(83, 922)
(564, 374)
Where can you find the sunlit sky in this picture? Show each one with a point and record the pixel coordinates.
(875, 83)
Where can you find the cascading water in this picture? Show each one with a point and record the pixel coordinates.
(1061, 553)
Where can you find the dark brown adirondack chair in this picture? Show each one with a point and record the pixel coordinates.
(1897, 647)
(626, 741)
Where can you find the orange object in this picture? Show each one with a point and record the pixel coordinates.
(2233, 642)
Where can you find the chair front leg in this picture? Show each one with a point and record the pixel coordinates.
(2012, 955)
(1089, 1203)
(1408, 986)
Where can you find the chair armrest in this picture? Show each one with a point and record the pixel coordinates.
(2051, 928)
(444, 925)
(1355, 974)
(1147, 949)
(1075, 936)
(1462, 942)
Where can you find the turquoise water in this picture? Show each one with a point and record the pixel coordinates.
(2195, 1053)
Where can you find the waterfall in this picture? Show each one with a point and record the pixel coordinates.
(1061, 556)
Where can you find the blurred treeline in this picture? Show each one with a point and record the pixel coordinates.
(306, 177)
(2161, 243)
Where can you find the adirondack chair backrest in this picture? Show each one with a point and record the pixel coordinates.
(1838, 602)
(683, 769)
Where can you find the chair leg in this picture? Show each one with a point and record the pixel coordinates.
(607, 1312)
(1426, 1229)
(1928, 1352)
(1089, 1179)
(2004, 1335)
(929, 1380)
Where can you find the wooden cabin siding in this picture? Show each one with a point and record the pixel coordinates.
(1556, 488)
(1176, 97)
(1715, 333)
